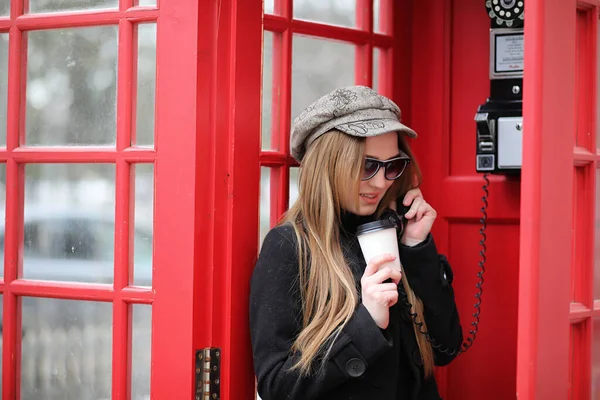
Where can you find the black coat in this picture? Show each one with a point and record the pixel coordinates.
(365, 362)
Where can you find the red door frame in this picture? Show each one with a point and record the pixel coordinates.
(235, 126)
(546, 301)
(546, 224)
(184, 89)
(175, 176)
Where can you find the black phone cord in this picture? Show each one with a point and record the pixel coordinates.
(473, 333)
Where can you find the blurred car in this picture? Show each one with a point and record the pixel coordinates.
(75, 245)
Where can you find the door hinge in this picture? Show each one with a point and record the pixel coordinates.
(208, 374)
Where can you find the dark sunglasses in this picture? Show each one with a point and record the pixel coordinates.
(394, 167)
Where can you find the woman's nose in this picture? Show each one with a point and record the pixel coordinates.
(379, 180)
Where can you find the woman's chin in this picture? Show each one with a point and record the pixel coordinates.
(367, 209)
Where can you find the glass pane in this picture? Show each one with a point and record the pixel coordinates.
(140, 351)
(43, 6)
(334, 12)
(72, 86)
(69, 222)
(310, 79)
(265, 201)
(143, 222)
(376, 69)
(597, 244)
(2, 214)
(146, 85)
(294, 184)
(145, 2)
(268, 105)
(67, 349)
(269, 6)
(376, 17)
(3, 85)
(4, 11)
(596, 359)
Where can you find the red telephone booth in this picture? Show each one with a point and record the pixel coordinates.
(144, 153)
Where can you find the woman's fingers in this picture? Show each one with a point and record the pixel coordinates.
(387, 298)
(411, 195)
(381, 288)
(384, 274)
(375, 263)
(410, 214)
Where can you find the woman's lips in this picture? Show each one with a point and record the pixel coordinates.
(370, 198)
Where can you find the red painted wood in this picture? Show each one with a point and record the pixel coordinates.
(77, 155)
(236, 189)
(400, 67)
(584, 77)
(77, 291)
(583, 156)
(133, 85)
(317, 29)
(544, 282)
(203, 183)
(388, 11)
(184, 73)
(121, 357)
(588, 3)
(585, 189)
(590, 358)
(363, 62)
(89, 18)
(14, 212)
(271, 158)
(449, 82)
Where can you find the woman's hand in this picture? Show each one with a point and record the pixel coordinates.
(377, 296)
(420, 216)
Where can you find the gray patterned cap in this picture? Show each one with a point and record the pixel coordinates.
(355, 110)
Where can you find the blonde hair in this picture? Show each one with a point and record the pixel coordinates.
(329, 294)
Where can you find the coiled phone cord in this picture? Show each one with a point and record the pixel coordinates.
(469, 341)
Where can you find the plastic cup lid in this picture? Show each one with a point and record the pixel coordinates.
(375, 226)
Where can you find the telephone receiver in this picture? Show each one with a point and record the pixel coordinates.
(397, 217)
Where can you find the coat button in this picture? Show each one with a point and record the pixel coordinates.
(355, 367)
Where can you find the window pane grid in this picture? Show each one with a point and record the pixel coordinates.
(579, 312)
(285, 28)
(585, 76)
(580, 359)
(121, 155)
(276, 23)
(77, 19)
(78, 291)
(13, 232)
(582, 276)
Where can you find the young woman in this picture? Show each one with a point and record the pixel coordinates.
(324, 324)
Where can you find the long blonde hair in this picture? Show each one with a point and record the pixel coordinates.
(329, 294)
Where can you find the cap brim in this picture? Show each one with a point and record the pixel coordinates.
(375, 128)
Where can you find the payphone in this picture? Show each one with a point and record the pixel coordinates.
(499, 120)
(499, 128)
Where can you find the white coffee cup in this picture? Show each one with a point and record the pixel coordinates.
(377, 238)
